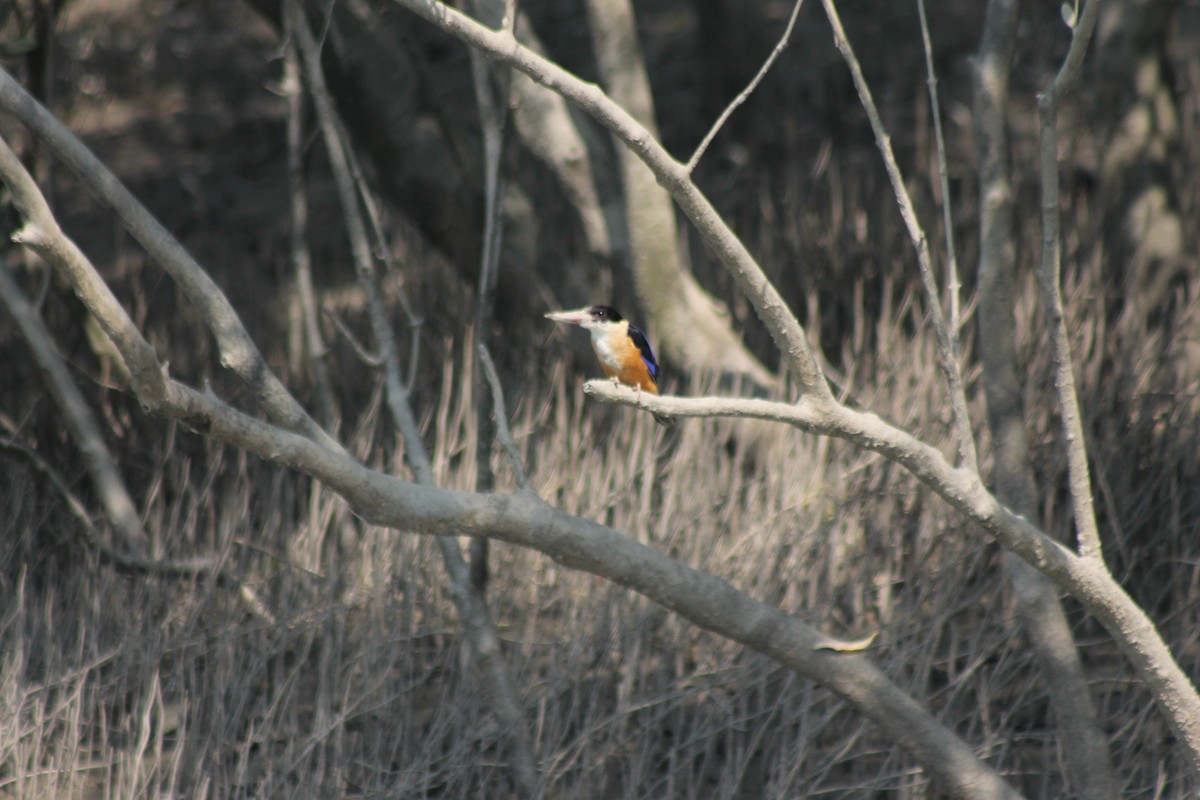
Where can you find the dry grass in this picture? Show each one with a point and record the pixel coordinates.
(124, 685)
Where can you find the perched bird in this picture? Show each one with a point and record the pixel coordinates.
(622, 350)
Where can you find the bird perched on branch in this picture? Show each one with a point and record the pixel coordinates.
(622, 349)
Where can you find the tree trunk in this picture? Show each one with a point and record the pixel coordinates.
(1038, 607)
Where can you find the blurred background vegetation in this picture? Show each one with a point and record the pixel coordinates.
(356, 683)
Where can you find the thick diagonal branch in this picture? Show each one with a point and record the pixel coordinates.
(237, 350)
(468, 598)
(1086, 579)
(523, 520)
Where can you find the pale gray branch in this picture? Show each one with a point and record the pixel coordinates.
(313, 341)
(703, 599)
(119, 507)
(947, 339)
(503, 433)
(1049, 277)
(110, 488)
(472, 608)
(492, 98)
(782, 324)
(524, 520)
(1085, 579)
(237, 350)
(1041, 614)
(935, 111)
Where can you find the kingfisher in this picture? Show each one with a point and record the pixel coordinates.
(621, 348)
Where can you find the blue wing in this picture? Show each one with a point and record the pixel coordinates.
(643, 347)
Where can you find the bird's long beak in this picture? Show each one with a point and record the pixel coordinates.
(577, 317)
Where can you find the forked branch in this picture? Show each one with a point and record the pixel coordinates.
(1084, 578)
(523, 520)
(1049, 279)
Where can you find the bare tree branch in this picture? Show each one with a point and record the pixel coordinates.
(1049, 277)
(691, 328)
(314, 344)
(946, 338)
(744, 95)
(237, 350)
(545, 125)
(472, 608)
(704, 599)
(1041, 614)
(1085, 579)
(119, 507)
(492, 90)
(576, 543)
(782, 324)
(935, 111)
(502, 430)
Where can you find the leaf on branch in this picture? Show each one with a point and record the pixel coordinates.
(1070, 14)
(847, 645)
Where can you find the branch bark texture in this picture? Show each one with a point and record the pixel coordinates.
(781, 323)
(577, 543)
(237, 350)
(1038, 607)
(468, 598)
(1086, 579)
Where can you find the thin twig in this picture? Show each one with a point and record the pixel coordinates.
(492, 102)
(415, 321)
(364, 355)
(1131, 628)
(1049, 278)
(947, 339)
(744, 95)
(472, 608)
(1039, 608)
(935, 110)
(118, 505)
(503, 432)
(777, 316)
(314, 344)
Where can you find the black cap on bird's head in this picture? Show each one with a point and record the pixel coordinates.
(604, 312)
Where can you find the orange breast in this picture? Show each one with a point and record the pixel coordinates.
(633, 373)
(620, 358)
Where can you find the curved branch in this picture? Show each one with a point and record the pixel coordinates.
(782, 324)
(474, 614)
(744, 95)
(703, 599)
(577, 543)
(237, 350)
(1084, 578)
